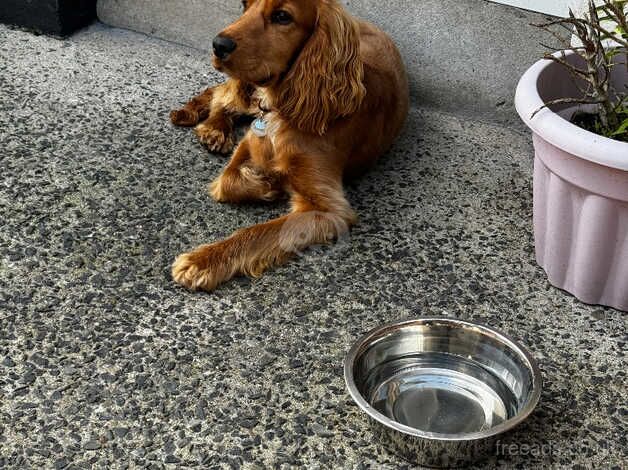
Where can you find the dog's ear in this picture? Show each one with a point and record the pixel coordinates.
(325, 82)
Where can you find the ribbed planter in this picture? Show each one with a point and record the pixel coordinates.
(580, 192)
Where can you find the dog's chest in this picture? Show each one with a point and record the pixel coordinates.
(265, 143)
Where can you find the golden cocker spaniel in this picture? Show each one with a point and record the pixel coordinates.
(329, 94)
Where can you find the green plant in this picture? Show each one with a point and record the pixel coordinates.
(603, 44)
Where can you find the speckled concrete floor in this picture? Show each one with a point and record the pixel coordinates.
(104, 363)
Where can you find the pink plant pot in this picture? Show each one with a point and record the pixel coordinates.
(580, 191)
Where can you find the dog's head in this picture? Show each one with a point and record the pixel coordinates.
(306, 53)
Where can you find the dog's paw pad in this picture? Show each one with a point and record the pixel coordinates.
(215, 190)
(189, 273)
(199, 269)
(214, 139)
(183, 117)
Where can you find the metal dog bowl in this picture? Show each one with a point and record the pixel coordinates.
(440, 391)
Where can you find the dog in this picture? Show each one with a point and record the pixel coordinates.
(329, 94)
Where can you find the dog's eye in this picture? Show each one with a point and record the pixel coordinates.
(281, 17)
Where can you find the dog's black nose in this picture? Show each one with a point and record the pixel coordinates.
(223, 46)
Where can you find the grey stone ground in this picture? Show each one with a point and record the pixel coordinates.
(104, 363)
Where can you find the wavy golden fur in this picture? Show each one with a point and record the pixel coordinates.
(335, 95)
(326, 81)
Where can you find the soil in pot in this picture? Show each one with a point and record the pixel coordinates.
(591, 122)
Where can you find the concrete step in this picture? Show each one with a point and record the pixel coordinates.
(463, 56)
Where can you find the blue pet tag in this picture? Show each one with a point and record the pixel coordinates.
(259, 127)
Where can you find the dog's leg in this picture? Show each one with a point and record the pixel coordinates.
(242, 181)
(320, 214)
(217, 131)
(215, 109)
(194, 111)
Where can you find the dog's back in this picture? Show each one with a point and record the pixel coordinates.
(372, 130)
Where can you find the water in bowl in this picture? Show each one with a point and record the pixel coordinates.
(440, 393)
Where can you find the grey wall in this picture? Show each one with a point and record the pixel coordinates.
(462, 55)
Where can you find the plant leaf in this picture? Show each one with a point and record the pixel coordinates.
(623, 129)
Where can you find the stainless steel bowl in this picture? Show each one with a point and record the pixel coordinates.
(440, 391)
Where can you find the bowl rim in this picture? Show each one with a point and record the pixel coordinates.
(382, 331)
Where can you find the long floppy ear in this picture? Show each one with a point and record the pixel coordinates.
(325, 82)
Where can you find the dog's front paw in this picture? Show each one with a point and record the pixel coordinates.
(184, 117)
(202, 269)
(216, 140)
(244, 184)
(217, 190)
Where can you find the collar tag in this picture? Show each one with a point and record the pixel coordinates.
(258, 126)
